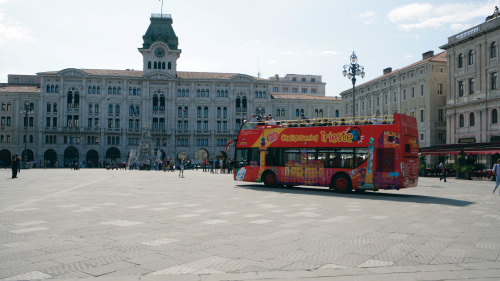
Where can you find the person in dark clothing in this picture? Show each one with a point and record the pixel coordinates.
(15, 166)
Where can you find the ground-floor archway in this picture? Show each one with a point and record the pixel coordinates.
(50, 156)
(27, 155)
(113, 154)
(221, 155)
(71, 155)
(201, 154)
(5, 158)
(160, 154)
(92, 160)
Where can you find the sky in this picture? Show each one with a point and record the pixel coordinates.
(267, 36)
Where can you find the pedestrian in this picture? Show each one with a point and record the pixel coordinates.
(181, 167)
(496, 172)
(14, 166)
(442, 167)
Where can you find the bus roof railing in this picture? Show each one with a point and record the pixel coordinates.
(322, 122)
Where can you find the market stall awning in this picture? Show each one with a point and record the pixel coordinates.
(459, 148)
(475, 151)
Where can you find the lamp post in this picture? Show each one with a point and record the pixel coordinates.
(27, 111)
(351, 71)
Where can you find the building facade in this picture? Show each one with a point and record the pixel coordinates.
(93, 115)
(417, 89)
(473, 98)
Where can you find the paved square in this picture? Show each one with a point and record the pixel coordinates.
(121, 225)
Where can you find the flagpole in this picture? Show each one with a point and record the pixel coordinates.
(161, 11)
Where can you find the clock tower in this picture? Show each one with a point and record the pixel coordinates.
(159, 50)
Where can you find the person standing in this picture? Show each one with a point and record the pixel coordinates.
(181, 167)
(496, 172)
(14, 166)
(442, 166)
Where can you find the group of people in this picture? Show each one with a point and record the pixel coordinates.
(318, 122)
(221, 166)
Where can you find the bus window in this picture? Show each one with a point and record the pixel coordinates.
(361, 155)
(346, 156)
(310, 154)
(273, 157)
(291, 155)
(241, 157)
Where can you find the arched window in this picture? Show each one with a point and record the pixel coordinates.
(49, 106)
(198, 111)
(472, 120)
(260, 94)
(278, 112)
(155, 65)
(110, 90)
(494, 116)
(301, 111)
(130, 91)
(202, 93)
(256, 94)
(471, 57)
(119, 91)
(179, 112)
(52, 89)
(337, 113)
(321, 113)
(169, 65)
(224, 112)
(162, 102)
(187, 92)
(94, 90)
(461, 120)
(57, 88)
(264, 94)
(149, 64)
(238, 104)
(186, 111)
(131, 110)
(70, 100)
(54, 108)
(208, 92)
(48, 88)
(183, 92)
(219, 112)
(198, 92)
(282, 112)
(137, 110)
(205, 111)
(218, 93)
(90, 90)
(493, 50)
(77, 100)
(297, 112)
(460, 61)
(155, 102)
(98, 89)
(91, 107)
(244, 104)
(225, 93)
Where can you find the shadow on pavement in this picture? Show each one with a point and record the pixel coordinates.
(362, 195)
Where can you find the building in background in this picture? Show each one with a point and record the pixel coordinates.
(94, 115)
(417, 89)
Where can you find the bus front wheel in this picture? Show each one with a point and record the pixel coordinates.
(341, 183)
(269, 179)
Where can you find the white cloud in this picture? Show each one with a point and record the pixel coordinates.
(408, 56)
(368, 17)
(334, 53)
(14, 34)
(425, 15)
(3, 2)
(288, 53)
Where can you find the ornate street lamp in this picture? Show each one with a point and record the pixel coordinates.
(351, 71)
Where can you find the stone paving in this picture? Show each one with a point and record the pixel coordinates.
(91, 224)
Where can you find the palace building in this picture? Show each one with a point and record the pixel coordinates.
(93, 115)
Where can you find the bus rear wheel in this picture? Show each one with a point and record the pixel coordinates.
(269, 179)
(341, 183)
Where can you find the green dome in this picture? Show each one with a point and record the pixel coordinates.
(160, 29)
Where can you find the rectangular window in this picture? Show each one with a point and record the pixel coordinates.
(421, 136)
(441, 136)
(285, 90)
(313, 80)
(404, 94)
(275, 89)
(304, 90)
(313, 91)
(440, 88)
(47, 124)
(205, 125)
(460, 88)
(385, 99)
(295, 90)
(493, 81)
(412, 92)
(421, 115)
(395, 97)
(471, 86)
(440, 115)
(54, 122)
(421, 90)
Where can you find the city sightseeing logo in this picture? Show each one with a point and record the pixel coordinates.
(272, 137)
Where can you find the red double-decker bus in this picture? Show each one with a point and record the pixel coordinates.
(373, 154)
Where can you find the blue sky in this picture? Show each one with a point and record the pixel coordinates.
(275, 36)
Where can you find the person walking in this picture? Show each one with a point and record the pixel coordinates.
(496, 172)
(181, 167)
(442, 166)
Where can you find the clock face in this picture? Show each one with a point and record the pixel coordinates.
(159, 52)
